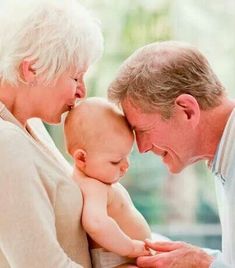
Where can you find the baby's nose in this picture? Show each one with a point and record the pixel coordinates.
(124, 167)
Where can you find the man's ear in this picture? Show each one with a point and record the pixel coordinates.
(28, 73)
(189, 106)
(79, 157)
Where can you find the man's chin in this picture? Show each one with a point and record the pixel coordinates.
(175, 169)
(173, 164)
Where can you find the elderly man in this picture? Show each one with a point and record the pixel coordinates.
(179, 110)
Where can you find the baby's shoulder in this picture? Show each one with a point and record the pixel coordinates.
(119, 188)
(92, 185)
(118, 192)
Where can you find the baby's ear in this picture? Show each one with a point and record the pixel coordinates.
(79, 157)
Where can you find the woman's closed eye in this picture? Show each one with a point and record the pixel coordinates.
(115, 162)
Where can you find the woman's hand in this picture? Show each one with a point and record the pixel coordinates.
(174, 255)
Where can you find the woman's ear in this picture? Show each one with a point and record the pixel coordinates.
(79, 157)
(189, 106)
(28, 73)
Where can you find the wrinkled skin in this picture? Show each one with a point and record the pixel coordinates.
(175, 255)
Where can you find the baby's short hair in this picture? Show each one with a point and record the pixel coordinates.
(89, 121)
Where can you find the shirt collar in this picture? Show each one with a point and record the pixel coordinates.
(225, 141)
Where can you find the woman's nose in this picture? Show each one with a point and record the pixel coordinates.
(81, 90)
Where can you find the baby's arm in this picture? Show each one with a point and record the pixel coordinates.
(102, 228)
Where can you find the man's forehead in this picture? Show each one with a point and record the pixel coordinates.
(135, 116)
(129, 106)
(131, 112)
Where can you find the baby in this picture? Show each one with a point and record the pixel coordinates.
(99, 139)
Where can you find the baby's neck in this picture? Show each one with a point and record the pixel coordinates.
(77, 173)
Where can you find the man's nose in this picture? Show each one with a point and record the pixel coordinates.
(142, 143)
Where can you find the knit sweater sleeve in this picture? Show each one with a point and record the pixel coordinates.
(27, 221)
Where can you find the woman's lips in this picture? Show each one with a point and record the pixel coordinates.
(70, 107)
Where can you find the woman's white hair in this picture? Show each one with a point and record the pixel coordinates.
(54, 34)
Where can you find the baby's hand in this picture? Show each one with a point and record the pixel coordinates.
(138, 249)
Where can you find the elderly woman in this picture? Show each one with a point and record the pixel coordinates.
(46, 47)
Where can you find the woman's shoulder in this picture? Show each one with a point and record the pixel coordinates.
(6, 125)
(36, 125)
(12, 138)
(12, 133)
(8, 129)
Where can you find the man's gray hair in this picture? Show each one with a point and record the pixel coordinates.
(156, 74)
(55, 34)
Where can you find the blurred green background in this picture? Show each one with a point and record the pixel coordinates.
(180, 206)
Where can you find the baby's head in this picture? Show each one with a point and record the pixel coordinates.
(99, 139)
